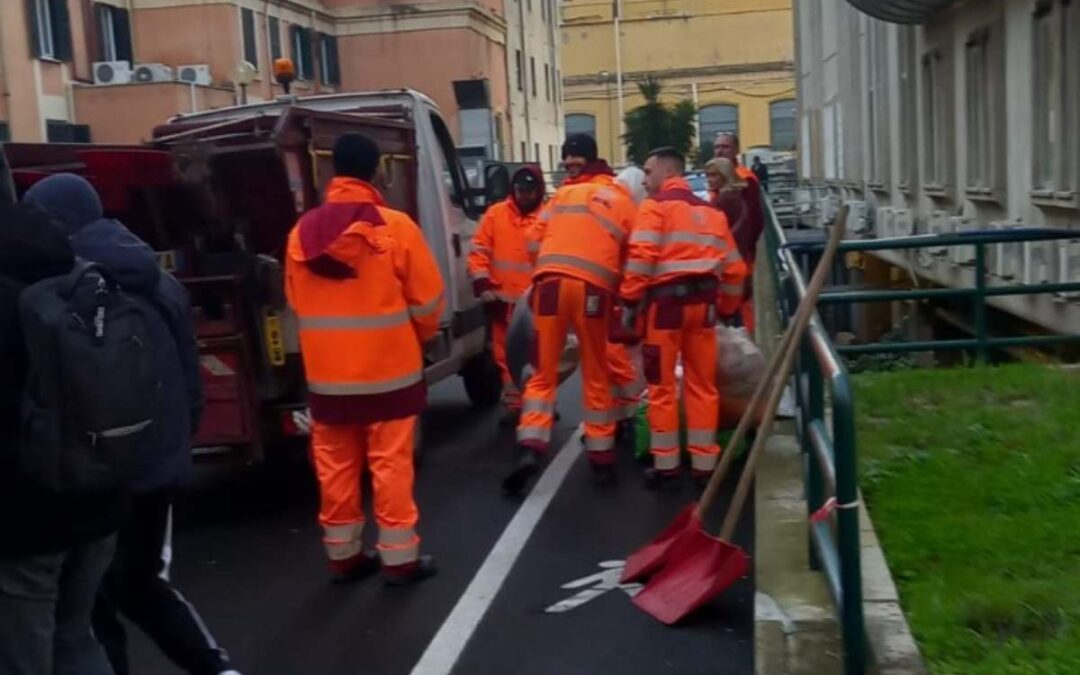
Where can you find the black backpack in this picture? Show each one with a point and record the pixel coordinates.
(91, 389)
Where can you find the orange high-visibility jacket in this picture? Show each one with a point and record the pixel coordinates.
(367, 293)
(746, 173)
(500, 260)
(677, 235)
(583, 230)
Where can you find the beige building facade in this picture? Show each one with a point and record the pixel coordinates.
(733, 59)
(54, 86)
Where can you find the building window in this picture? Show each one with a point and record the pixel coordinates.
(251, 47)
(716, 120)
(50, 29)
(301, 51)
(1056, 146)
(524, 152)
(551, 158)
(62, 131)
(547, 81)
(519, 63)
(782, 124)
(984, 76)
(5, 132)
(536, 149)
(580, 123)
(558, 86)
(909, 121)
(113, 26)
(936, 117)
(878, 102)
(532, 71)
(273, 28)
(329, 66)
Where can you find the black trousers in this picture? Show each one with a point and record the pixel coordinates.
(137, 586)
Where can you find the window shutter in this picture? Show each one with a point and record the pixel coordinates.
(61, 29)
(335, 61)
(122, 33)
(308, 61)
(275, 38)
(251, 52)
(32, 26)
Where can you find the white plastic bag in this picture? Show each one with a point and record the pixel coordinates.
(740, 365)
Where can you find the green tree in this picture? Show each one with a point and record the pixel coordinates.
(657, 124)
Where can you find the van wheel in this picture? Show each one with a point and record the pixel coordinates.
(483, 381)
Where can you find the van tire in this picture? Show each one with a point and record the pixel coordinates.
(483, 381)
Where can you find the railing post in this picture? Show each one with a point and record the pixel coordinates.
(815, 489)
(847, 517)
(981, 352)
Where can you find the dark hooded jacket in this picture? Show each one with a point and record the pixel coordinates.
(132, 264)
(34, 521)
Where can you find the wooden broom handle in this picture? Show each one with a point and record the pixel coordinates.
(817, 282)
(797, 325)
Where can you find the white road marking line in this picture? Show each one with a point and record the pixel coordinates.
(446, 647)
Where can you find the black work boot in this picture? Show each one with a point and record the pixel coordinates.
(625, 433)
(360, 566)
(411, 573)
(528, 465)
(666, 481)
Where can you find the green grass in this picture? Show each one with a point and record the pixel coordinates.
(973, 480)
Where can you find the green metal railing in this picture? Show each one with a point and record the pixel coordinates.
(825, 423)
(829, 455)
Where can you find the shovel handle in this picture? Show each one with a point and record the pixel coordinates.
(791, 336)
(802, 320)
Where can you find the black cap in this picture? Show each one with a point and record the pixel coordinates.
(580, 145)
(526, 179)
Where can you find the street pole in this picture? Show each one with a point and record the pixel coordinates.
(617, 10)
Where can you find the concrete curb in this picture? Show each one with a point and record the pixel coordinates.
(893, 650)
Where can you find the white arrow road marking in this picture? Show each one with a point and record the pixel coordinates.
(601, 583)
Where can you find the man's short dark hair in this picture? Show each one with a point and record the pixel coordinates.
(670, 154)
(730, 134)
(356, 156)
(580, 145)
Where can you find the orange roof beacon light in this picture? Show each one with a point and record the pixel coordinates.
(284, 72)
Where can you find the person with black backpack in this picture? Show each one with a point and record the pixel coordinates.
(55, 543)
(138, 583)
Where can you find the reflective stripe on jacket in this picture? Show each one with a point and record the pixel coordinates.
(677, 235)
(583, 231)
(500, 259)
(367, 293)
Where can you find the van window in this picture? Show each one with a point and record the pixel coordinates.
(452, 173)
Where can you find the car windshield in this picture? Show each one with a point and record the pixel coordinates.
(697, 182)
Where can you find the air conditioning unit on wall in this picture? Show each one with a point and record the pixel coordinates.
(903, 223)
(1068, 269)
(112, 72)
(195, 74)
(884, 222)
(939, 224)
(1039, 262)
(1008, 258)
(961, 255)
(153, 72)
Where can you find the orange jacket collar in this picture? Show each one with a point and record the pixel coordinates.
(343, 189)
(676, 183)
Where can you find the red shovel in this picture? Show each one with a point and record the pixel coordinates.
(647, 560)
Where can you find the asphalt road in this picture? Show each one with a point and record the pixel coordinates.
(247, 554)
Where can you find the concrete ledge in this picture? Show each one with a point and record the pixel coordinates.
(893, 650)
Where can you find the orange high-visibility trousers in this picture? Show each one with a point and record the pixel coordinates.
(500, 325)
(685, 330)
(339, 453)
(558, 303)
(627, 384)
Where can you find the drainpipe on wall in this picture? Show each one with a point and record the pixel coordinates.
(525, 81)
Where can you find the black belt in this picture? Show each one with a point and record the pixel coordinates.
(683, 289)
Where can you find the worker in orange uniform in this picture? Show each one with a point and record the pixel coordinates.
(501, 267)
(752, 225)
(684, 264)
(367, 294)
(580, 240)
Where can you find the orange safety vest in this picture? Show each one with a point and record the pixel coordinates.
(677, 235)
(500, 260)
(367, 293)
(583, 230)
